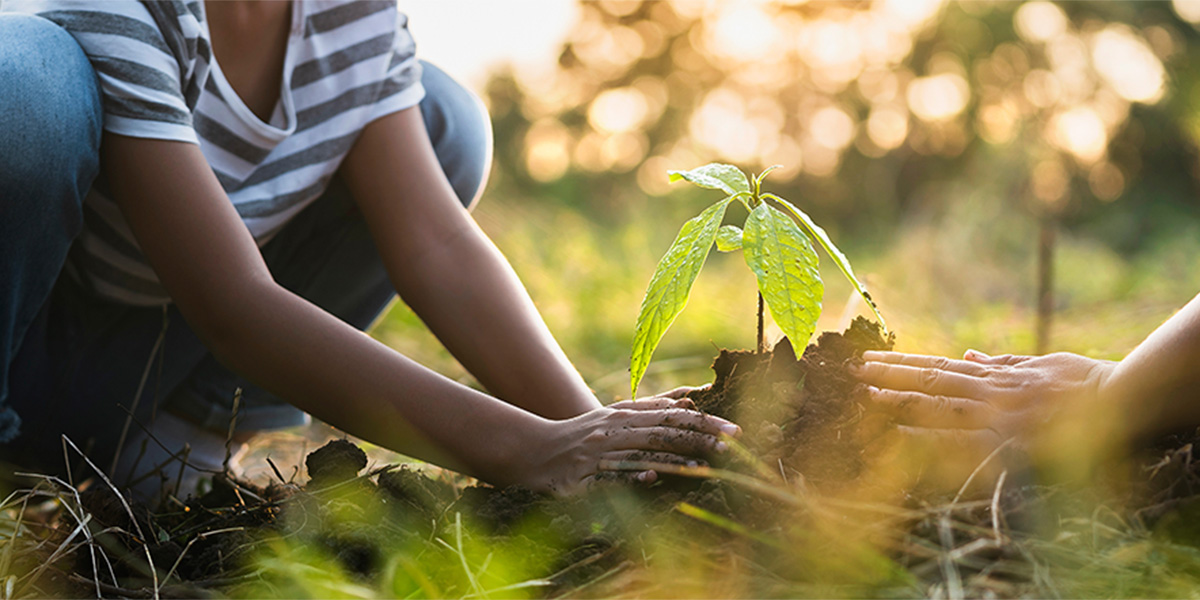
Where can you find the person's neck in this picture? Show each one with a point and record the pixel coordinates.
(249, 40)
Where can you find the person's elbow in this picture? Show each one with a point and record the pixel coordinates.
(223, 315)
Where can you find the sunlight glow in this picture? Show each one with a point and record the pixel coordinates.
(618, 110)
(721, 124)
(522, 33)
(742, 32)
(912, 12)
(998, 122)
(1128, 64)
(887, 126)
(832, 127)
(546, 155)
(1042, 88)
(1188, 10)
(1040, 21)
(1081, 132)
(938, 97)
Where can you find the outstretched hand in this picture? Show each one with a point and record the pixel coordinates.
(606, 444)
(965, 409)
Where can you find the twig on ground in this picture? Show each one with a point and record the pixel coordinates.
(996, 516)
(193, 541)
(966, 484)
(129, 510)
(237, 409)
(276, 470)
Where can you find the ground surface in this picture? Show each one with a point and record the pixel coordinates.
(800, 509)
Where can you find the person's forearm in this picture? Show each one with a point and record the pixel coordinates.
(1156, 387)
(351, 381)
(484, 316)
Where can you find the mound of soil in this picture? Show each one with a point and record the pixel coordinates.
(798, 413)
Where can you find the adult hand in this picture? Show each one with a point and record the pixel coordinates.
(600, 445)
(962, 410)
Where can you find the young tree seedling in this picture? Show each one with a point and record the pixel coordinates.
(774, 243)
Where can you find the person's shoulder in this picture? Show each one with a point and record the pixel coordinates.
(122, 18)
(125, 8)
(344, 17)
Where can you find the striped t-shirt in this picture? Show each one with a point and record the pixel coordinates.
(347, 64)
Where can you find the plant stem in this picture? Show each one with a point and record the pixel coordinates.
(1045, 291)
(760, 324)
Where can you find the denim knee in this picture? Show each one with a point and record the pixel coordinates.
(461, 131)
(50, 122)
(50, 113)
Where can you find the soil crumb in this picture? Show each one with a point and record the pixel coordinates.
(335, 462)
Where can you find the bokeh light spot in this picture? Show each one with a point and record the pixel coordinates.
(888, 126)
(618, 110)
(1039, 21)
(938, 97)
(832, 127)
(1128, 64)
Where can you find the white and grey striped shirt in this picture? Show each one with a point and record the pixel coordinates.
(347, 64)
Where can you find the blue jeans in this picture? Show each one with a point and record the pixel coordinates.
(71, 363)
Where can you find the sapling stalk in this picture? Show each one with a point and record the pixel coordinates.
(774, 240)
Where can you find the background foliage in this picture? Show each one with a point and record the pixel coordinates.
(931, 139)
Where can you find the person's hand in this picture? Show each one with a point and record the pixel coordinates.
(959, 411)
(604, 445)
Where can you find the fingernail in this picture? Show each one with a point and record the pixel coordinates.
(722, 447)
(871, 393)
(731, 430)
(643, 476)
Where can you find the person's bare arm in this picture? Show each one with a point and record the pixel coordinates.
(1157, 386)
(451, 274)
(985, 400)
(208, 262)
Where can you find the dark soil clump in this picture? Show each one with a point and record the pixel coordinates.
(799, 414)
(335, 462)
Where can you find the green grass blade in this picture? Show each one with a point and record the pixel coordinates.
(727, 524)
(787, 269)
(716, 176)
(668, 291)
(729, 238)
(843, 263)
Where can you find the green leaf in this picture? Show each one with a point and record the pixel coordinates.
(787, 269)
(715, 176)
(671, 284)
(729, 238)
(758, 179)
(843, 263)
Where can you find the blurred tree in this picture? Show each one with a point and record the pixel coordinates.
(1083, 111)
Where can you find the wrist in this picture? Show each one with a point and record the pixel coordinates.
(521, 456)
(1117, 407)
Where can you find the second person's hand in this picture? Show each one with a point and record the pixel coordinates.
(951, 414)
